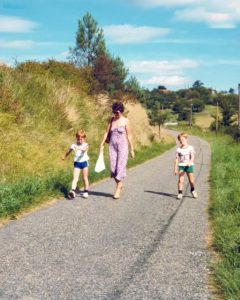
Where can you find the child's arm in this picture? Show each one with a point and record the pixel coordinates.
(191, 157)
(176, 166)
(66, 154)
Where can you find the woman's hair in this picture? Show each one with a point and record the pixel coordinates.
(118, 106)
(80, 133)
(182, 134)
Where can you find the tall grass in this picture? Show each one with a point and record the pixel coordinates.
(224, 210)
(225, 214)
(41, 107)
(31, 191)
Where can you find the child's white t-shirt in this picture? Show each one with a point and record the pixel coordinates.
(184, 155)
(80, 152)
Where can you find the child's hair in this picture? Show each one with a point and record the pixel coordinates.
(80, 133)
(182, 134)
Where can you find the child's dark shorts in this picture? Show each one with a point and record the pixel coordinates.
(187, 169)
(81, 165)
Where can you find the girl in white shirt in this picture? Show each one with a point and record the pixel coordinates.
(81, 158)
(184, 164)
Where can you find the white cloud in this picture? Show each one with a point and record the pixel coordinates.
(128, 34)
(156, 3)
(214, 13)
(12, 24)
(172, 81)
(17, 44)
(161, 66)
(213, 19)
(156, 72)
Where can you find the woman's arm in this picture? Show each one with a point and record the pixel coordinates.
(105, 136)
(129, 137)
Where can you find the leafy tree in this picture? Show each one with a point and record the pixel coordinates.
(158, 117)
(197, 84)
(198, 105)
(119, 71)
(228, 112)
(162, 88)
(132, 86)
(90, 42)
(109, 72)
(231, 91)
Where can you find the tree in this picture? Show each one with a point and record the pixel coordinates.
(132, 85)
(162, 88)
(109, 72)
(158, 117)
(119, 71)
(197, 84)
(90, 42)
(103, 72)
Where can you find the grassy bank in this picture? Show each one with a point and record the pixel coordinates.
(225, 214)
(224, 211)
(32, 191)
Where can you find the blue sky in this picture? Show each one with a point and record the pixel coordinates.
(162, 42)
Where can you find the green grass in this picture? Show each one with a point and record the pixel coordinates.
(32, 191)
(224, 210)
(205, 118)
(225, 214)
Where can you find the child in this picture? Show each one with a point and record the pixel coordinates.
(80, 163)
(184, 164)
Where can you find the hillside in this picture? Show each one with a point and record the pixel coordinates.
(41, 107)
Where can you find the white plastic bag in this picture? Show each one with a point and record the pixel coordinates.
(100, 165)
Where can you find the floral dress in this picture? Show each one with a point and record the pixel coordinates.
(118, 152)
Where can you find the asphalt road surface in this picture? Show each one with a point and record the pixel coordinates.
(146, 245)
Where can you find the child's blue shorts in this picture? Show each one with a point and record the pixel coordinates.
(80, 165)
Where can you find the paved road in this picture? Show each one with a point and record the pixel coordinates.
(147, 245)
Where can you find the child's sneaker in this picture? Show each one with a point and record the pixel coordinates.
(195, 195)
(85, 195)
(71, 194)
(179, 196)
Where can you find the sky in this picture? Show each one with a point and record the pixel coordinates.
(162, 42)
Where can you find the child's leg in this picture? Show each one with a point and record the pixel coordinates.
(76, 173)
(180, 181)
(191, 181)
(85, 179)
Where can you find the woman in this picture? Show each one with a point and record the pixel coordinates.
(118, 145)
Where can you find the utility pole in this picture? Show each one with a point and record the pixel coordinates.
(217, 118)
(239, 109)
(191, 115)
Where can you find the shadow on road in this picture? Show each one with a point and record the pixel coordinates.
(100, 194)
(161, 193)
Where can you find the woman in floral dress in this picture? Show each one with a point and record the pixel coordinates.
(118, 145)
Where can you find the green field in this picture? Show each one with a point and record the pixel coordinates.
(205, 118)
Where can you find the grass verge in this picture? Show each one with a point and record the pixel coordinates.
(32, 191)
(224, 211)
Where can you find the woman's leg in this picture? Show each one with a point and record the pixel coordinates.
(118, 188)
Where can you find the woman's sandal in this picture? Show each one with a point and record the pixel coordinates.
(117, 193)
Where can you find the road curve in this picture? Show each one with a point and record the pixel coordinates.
(147, 245)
